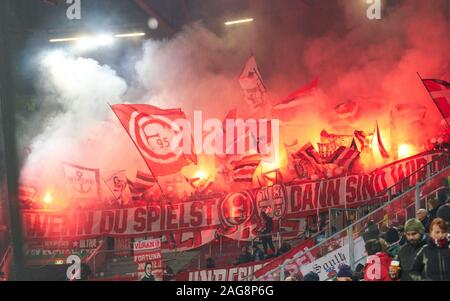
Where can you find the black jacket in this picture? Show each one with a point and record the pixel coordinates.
(432, 263)
(268, 225)
(444, 213)
(147, 278)
(406, 256)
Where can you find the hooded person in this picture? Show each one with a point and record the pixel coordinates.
(444, 212)
(415, 240)
(432, 262)
(433, 206)
(344, 273)
(378, 261)
(311, 276)
(371, 232)
(392, 238)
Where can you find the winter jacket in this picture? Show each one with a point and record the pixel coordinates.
(444, 213)
(432, 263)
(377, 267)
(268, 225)
(406, 256)
(393, 249)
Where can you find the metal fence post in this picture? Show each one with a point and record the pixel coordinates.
(282, 272)
(417, 197)
(389, 194)
(351, 246)
(220, 245)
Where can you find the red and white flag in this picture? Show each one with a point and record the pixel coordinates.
(363, 140)
(157, 136)
(145, 179)
(296, 98)
(81, 182)
(136, 190)
(243, 167)
(344, 157)
(440, 92)
(117, 183)
(308, 155)
(378, 145)
(347, 110)
(251, 83)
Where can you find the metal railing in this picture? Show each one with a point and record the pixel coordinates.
(395, 210)
(5, 264)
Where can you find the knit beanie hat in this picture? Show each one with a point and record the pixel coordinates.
(311, 276)
(344, 271)
(434, 202)
(414, 224)
(391, 235)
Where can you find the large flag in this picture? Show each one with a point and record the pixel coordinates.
(440, 93)
(251, 83)
(81, 182)
(155, 132)
(117, 183)
(296, 98)
(243, 167)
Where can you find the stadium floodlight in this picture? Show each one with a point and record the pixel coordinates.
(94, 41)
(239, 21)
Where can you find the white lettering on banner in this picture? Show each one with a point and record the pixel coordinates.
(194, 223)
(147, 245)
(146, 257)
(373, 271)
(226, 274)
(330, 262)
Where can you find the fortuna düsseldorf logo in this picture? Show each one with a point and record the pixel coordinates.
(272, 197)
(236, 209)
(154, 135)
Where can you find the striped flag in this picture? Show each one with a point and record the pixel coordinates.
(344, 157)
(145, 180)
(244, 166)
(363, 140)
(440, 93)
(308, 155)
(136, 190)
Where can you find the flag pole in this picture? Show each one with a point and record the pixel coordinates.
(157, 182)
(434, 100)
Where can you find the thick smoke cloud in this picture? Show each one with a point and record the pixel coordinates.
(373, 63)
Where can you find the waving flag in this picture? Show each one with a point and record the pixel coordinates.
(251, 83)
(81, 182)
(363, 140)
(117, 183)
(344, 157)
(145, 180)
(440, 93)
(296, 98)
(157, 137)
(309, 157)
(377, 144)
(243, 167)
